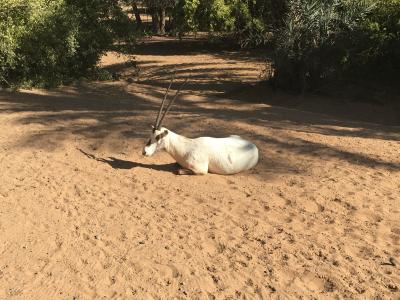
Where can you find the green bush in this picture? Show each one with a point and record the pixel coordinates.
(315, 43)
(13, 17)
(46, 42)
(204, 15)
(250, 31)
(214, 15)
(378, 53)
(255, 34)
(184, 16)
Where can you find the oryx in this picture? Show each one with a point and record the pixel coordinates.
(201, 155)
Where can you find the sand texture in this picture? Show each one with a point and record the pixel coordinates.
(83, 215)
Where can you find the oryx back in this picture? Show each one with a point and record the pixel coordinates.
(229, 155)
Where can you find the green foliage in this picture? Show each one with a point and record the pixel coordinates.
(121, 26)
(379, 51)
(241, 14)
(46, 42)
(270, 12)
(214, 15)
(249, 30)
(13, 17)
(184, 16)
(316, 41)
(250, 21)
(254, 34)
(205, 15)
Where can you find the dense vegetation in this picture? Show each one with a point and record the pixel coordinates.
(48, 42)
(330, 40)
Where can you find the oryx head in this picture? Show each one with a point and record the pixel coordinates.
(158, 133)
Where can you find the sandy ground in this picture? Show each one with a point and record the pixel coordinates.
(84, 216)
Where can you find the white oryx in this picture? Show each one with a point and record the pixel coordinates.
(225, 156)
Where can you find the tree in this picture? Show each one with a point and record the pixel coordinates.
(158, 10)
(136, 12)
(185, 16)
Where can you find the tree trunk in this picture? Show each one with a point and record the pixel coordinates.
(155, 21)
(137, 14)
(162, 20)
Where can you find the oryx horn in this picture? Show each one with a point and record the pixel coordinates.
(171, 102)
(157, 123)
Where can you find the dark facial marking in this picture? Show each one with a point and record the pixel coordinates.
(148, 143)
(161, 135)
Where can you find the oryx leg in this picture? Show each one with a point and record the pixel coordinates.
(192, 171)
(200, 171)
(195, 165)
(199, 168)
(185, 172)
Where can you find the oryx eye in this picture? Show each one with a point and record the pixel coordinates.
(158, 137)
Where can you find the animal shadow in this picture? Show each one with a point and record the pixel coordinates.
(120, 164)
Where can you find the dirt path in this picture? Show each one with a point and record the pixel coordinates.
(84, 216)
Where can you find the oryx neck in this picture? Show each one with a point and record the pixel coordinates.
(175, 144)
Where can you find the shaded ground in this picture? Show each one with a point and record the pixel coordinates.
(84, 215)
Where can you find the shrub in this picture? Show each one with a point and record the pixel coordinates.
(248, 21)
(46, 42)
(13, 17)
(184, 16)
(254, 21)
(214, 15)
(315, 41)
(378, 54)
(255, 34)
